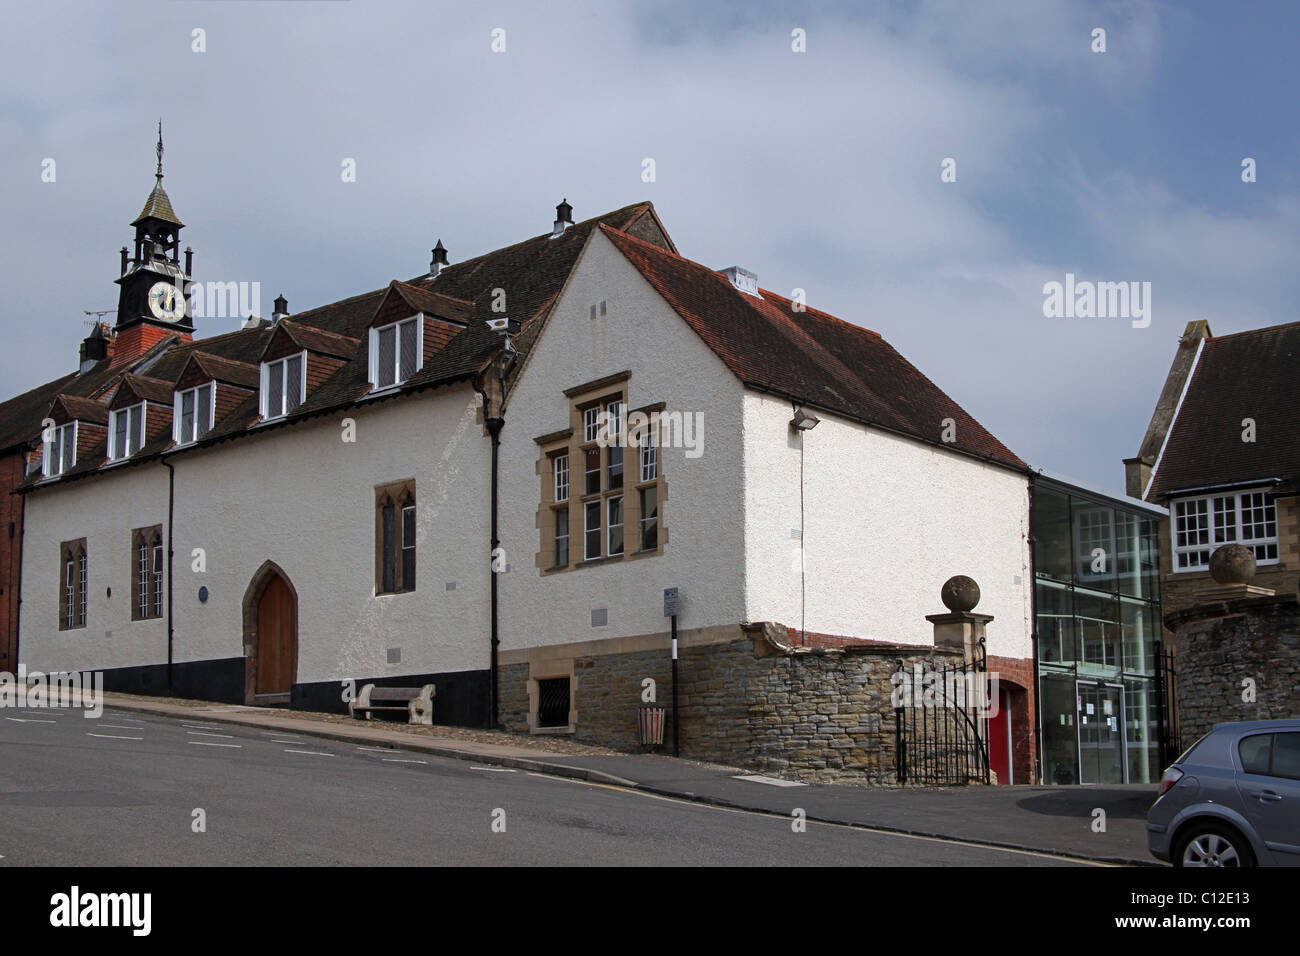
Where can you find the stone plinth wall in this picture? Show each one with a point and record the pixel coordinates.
(1220, 645)
(754, 702)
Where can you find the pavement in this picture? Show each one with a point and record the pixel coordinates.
(1106, 824)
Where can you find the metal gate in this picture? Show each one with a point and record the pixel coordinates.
(1168, 732)
(941, 727)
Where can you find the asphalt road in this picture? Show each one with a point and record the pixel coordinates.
(124, 790)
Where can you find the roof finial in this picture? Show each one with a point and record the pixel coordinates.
(159, 174)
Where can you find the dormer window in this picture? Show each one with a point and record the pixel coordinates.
(60, 450)
(194, 412)
(395, 352)
(284, 385)
(126, 432)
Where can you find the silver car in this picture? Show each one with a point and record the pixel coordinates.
(1232, 799)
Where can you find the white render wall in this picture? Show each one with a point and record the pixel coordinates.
(104, 510)
(702, 511)
(886, 521)
(303, 498)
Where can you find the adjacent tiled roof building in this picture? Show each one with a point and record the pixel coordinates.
(1249, 376)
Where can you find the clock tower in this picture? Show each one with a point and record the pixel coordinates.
(153, 297)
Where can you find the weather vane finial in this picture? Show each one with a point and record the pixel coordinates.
(159, 174)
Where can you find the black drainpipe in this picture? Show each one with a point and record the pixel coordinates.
(171, 524)
(494, 429)
(1033, 641)
(18, 596)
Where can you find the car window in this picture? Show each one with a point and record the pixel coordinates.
(1188, 752)
(1286, 756)
(1254, 752)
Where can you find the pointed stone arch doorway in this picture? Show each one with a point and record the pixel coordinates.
(270, 637)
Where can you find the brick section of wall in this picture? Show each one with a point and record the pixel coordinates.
(11, 473)
(1252, 638)
(818, 714)
(132, 343)
(1018, 675)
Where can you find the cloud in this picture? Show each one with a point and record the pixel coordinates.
(817, 170)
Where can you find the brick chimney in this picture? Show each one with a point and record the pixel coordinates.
(134, 342)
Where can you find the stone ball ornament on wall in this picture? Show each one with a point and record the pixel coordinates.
(1232, 564)
(960, 594)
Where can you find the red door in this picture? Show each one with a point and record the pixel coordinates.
(1000, 738)
(277, 638)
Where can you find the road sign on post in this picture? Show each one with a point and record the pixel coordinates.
(672, 603)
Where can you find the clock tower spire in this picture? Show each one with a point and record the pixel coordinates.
(154, 289)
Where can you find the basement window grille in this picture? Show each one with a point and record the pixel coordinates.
(553, 702)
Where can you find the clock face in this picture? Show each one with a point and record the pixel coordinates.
(165, 302)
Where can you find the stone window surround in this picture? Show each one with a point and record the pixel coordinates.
(539, 671)
(570, 441)
(398, 493)
(72, 551)
(151, 537)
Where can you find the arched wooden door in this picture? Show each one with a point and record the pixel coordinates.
(277, 639)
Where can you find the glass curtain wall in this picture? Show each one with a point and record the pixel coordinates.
(1098, 618)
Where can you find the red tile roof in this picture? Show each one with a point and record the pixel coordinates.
(318, 340)
(225, 370)
(808, 356)
(140, 387)
(416, 299)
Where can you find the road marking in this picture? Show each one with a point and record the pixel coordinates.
(952, 841)
(200, 733)
(501, 770)
(122, 726)
(400, 760)
(285, 741)
(204, 743)
(382, 750)
(770, 781)
(314, 753)
(33, 711)
(31, 720)
(204, 726)
(112, 736)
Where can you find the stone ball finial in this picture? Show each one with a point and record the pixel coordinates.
(1232, 564)
(960, 594)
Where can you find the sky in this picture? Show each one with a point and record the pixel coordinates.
(821, 169)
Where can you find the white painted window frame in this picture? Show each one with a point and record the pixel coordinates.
(124, 415)
(177, 405)
(50, 468)
(373, 348)
(610, 526)
(560, 470)
(590, 424)
(587, 528)
(648, 453)
(264, 390)
(1192, 549)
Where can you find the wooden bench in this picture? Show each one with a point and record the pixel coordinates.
(416, 701)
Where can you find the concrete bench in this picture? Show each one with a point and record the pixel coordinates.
(417, 702)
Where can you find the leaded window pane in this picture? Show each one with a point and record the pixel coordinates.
(387, 352)
(410, 361)
(293, 383)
